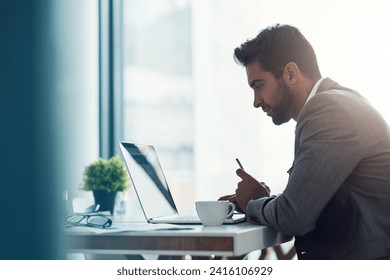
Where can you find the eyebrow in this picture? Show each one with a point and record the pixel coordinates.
(254, 82)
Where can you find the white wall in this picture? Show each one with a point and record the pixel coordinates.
(352, 46)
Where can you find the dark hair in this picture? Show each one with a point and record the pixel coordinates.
(276, 46)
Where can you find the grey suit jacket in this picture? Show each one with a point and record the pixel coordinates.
(337, 200)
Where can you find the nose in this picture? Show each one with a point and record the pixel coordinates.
(256, 105)
(257, 102)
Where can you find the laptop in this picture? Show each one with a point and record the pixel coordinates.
(152, 188)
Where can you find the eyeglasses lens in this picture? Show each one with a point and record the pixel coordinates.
(75, 219)
(100, 221)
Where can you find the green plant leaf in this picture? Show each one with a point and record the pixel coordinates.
(109, 175)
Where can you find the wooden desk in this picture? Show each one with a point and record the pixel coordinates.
(227, 240)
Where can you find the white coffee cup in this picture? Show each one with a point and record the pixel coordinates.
(213, 213)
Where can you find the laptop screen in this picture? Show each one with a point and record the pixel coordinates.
(148, 179)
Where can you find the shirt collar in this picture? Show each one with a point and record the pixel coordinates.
(314, 89)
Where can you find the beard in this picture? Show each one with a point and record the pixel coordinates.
(281, 111)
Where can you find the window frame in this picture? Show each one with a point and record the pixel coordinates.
(110, 78)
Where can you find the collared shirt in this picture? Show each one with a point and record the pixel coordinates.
(314, 89)
(312, 93)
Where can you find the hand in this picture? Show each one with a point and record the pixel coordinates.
(249, 188)
(232, 198)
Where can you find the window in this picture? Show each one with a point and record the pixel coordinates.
(158, 86)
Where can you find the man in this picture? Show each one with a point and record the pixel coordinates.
(337, 200)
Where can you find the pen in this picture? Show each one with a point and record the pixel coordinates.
(239, 164)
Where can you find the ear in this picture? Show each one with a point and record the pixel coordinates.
(291, 73)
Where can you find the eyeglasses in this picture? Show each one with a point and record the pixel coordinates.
(98, 221)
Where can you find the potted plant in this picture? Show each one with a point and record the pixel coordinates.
(105, 178)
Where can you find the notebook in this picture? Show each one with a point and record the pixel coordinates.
(152, 189)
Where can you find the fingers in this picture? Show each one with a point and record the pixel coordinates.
(229, 197)
(245, 176)
(238, 208)
(242, 174)
(232, 198)
(247, 189)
